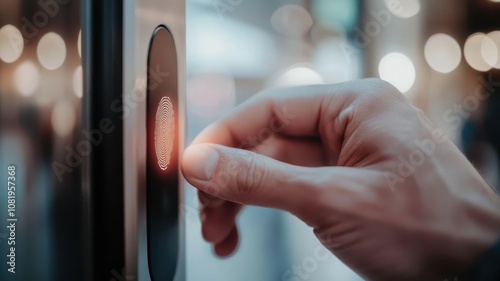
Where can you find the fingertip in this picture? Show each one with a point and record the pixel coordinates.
(210, 232)
(219, 222)
(199, 162)
(228, 247)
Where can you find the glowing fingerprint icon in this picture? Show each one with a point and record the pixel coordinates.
(164, 132)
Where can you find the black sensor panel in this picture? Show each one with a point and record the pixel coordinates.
(162, 168)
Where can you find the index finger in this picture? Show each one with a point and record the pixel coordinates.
(293, 112)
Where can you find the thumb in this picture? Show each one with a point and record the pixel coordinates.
(246, 177)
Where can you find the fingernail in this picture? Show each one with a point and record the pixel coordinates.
(200, 161)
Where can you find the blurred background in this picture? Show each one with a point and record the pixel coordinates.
(443, 55)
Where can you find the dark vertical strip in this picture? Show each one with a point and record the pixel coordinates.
(102, 117)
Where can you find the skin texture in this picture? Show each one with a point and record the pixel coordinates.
(381, 187)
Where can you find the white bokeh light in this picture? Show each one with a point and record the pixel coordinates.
(398, 70)
(63, 118)
(489, 51)
(442, 53)
(298, 75)
(11, 43)
(495, 37)
(26, 78)
(480, 52)
(403, 8)
(51, 51)
(78, 82)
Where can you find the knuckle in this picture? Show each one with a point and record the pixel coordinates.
(381, 85)
(378, 95)
(381, 89)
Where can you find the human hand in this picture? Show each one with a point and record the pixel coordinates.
(383, 189)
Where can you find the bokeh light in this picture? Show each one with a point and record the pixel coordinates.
(51, 51)
(398, 70)
(403, 8)
(26, 78)
(442, 53)
(480, 52)
(293, 20)
(63, 118)
(489, 51)
(11, 43)
(298, 75)
(78, 82)
(495, 37)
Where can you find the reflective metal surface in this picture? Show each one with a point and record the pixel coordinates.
(141, 19)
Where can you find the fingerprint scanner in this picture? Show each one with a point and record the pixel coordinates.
(164, 132)
(162, 157)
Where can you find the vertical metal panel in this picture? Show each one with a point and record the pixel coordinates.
(103, 170)
(141, 18)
